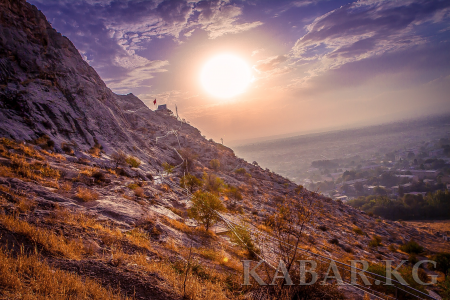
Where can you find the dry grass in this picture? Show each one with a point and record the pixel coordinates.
(66, 186)
(51, 242)
(26, 204)
(88, 171)
(197, 288)
(179, 225)
(35, 171)
(139, 237)
(139, 192)
(86, 194)
(28, 277)
(21, 148)
(54, 155)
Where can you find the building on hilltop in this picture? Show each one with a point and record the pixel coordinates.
(162, 109)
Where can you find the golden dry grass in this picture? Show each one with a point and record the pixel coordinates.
(28, 277)
(51, 242)
(196, 288)
(88, 171)
(20, 148)
(54, 155)
(86, 194)
(66, 186)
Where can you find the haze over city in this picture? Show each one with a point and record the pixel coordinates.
(312, 65)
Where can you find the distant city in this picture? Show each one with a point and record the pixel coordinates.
(411, 157)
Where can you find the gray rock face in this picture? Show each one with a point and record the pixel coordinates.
(47, 88)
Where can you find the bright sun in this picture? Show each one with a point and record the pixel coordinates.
(225, 76)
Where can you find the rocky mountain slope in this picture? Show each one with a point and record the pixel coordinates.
(80, 184)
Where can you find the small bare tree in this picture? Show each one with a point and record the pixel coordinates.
(289, 223)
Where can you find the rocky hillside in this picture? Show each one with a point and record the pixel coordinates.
(89, 188)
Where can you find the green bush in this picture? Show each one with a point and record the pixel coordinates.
(375, 241)
(168, 167)
(190, 182)
(215, 164)
(240, 171)
(212, 183)
(244, 240)
(133, 161)
(203, 208)
(358, 230)
(411, 247)
(442, 262)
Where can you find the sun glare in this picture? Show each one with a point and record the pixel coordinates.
(225, 76)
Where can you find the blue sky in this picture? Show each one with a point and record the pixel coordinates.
(317, 65)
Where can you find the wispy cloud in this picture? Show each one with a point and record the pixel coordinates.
(111, 35)
(365, 29)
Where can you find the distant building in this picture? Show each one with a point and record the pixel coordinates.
(410, 177)
(342, 198)
(162, 107)
(416, 193)
(424, 173)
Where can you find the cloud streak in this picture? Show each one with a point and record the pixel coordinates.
(366, 29)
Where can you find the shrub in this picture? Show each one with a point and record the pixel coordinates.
(67, 149)
(445, 287)
(392, 248)
(240, 171)
(119, 157)
(212, 183)
(86, 194)
(190, 182)
(322, 227)
(96, 150)
(245, 241)
(442, 262)
(334, 241)
(412, 258)
(203, 207)
(358, 230)
(233, 193)
(375, 241)
(132, 186)
(215, 164)
(139, 192)
(411, 247)
(133, 161)
(98, 176)
(189, 159)
(168, 167)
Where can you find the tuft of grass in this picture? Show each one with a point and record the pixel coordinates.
(139, 192)
(132, 186)
(358, 230)
(133, 161)
(375, 241)
(86, 194)
(66, 186)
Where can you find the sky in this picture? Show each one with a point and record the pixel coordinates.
(315, 65)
